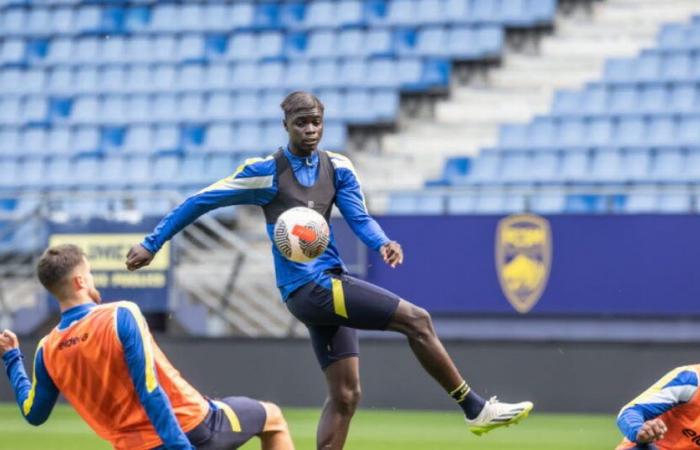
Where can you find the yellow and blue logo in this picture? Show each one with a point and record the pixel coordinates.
(523, 259)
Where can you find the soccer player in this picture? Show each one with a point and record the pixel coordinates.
(666, 416)
(103, 359)
(332, 304)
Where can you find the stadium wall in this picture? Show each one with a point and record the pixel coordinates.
(558, 377)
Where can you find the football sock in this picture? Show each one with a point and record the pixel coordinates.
(468, 400)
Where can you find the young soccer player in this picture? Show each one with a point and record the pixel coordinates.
(666, 416)
(103, 359)
(320, 293)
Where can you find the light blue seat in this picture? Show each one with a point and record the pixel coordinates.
(675, 202)
(572, 131)
(676, 66)
(630, 131)
(218, 106)
(401, 12)
(87, 79)
(139, 170)
(542, 11)
(34, 171)
(430, 203)
(567, 102)
(112, 79)
(165, 17)
(486, 167)
(165, 107)
(548, 202)
(516, 12)
(544, 166)
(244, 75)
(60, 50)
(166, 169)
(689, 131)
(353, 72)
(600, 131)
(10, 81)
(575, 165)
(378, 42)
(691, 167)
(191, 107)
(326, 73)
(461, 203)
(350, 42)
(357, 107)
(349, 12)
(14, 21)
(88, 18)
(384, 72)
(60, 80)
(33, 140)
(219, 137)
(87, 50)
(113, 171)
(673, 36)
(401, 203)
(139, 139)
(515, 166)
(191, 17)
(194, 170)
(491, 202)
(463, 43)
(623, 100)
(684, 98)
(410, 71)
(661, 131)
(432, 41)
(653, 99)
(269, 104)
(270, 74)
(273, 136)
(321, 43)
(513, 135)
(543, 132)
(139, 108)
(429, 12)
(484, 11)
(619, 69)
(59, 172)
(292, 14)
(114, 50)
(457, 11)
(9, 141)
(298, 75)
(10, 168)
(635, 165)
(335, 136)
(35, 110)
(12, 51)
(190, 77)
(667, 164)
(242, 15)
(10, 110)
(595, 99)
(270, 44)
(244, 106)
(641, 200)
(217, 17)
(164, 48)
(586, 203)
(320, 13)
(190, 48)
(86, 140)
(385, 105)
(606, 165)
(86, 170)
(59, 140)
(137, 18)
(490, 39)
(217, 75)
(140, 48)
(219, 166)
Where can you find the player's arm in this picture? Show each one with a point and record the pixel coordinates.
(137, 342)
(637, 420)
(37, 398)
(251, 184)
(351, 203)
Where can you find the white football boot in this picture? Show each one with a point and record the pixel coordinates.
(497, 414)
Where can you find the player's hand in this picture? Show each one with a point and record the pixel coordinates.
(138, 257)
(651, 431)
(8, 341)
(392, 253)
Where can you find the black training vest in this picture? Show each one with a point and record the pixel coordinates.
(290, 193)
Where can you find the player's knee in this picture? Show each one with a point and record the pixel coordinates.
(275, 420)
(421, 323)
(346, 399)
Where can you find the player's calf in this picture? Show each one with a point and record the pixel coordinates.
(275, 434)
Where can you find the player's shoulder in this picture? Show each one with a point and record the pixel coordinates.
(340, 161)
(256, 167)
(683, 376)
(123, 305)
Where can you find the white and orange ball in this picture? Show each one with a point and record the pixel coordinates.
(301, 234)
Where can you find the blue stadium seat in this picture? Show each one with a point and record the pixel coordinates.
(585, 203)
(542, 11)
(350, 42)
(432, 41)
(164, 107)
(321, 43)
(166, 169)
(548, 202)
(33, 140)
(59, 172)
(545, 166)
(270, 44)
(575, 165)
(12, 51)
(641, 200)
(139, 108)
(357, 107)
(112, 79)
(60, 80)
(194, 174)
(10, 168)
(385, 105)
(668, 164)
(86, 170)
(35, 110)
(600, 131)
(515, 167)
(241, 15)
(635, 164)
(623, 100)
(292, 14)
(353, 72)
(59, 141)
(484, 11)
(164, 78)
(164, 48)
(461, 203)
(486, 167)
(606, 165)
(674, 202)
(137, 18)
(114, 50)
(457, 11)
(689, 131)
(218, 106)
(673, 36)
(273, 136)
(684, 98)
(9, 142)
(543, 132)
(349, 12)
(190, 48)
(270, 74)
(219, 138)
(245, 106)
(403, 203)
(379, 42)
(166, 138)
(88, 18)
(192, 137)
(572, 131)
(86, 140)
(491, 202)
(87, 79)
(33, 172)
(676, 66)
(661, 131)
(217, 75)
(139, 170)
(513, 135)
(595, 99)
(191, 17)
(140, 48)
(463, 43)
(164, 17)
(218, 166)
(401, 12)
(619, 69)
(516, 12)
(190, 77)
(267, 15)
(430, 12)
(567, 102)
(10, 110)
(269, 104)
(14, 20)
(244, 75)
(139, 139)
(112, 139)
(335, 136)
(384, 72)
(430, 203)
(191, 107)
(653, 99)
(490, 39)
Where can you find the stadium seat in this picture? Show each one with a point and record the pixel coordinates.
(350, 42)
(544, 166)
(675, 202)
(349, 13)
(653, 99)
(548, 202)
(661, 131)
(515, 167)
(33, 140)
(219, 138)
(401, 12)
(668, 164)
(641, 200)
(241, 15)
(461, 203)
(575, 165)
(486, 167)
(432, 41)
(325, 73)
(166, 169)
(87, 79)
(9, 142)
(322, 43)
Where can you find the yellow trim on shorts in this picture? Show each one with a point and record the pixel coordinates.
(338, 298)
(231, 415)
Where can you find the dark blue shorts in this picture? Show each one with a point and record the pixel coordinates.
(217, 432)
(337, 305)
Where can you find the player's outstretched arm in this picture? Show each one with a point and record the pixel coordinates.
(137, 343)
(36, 399)
(251, 184)
(638, 419)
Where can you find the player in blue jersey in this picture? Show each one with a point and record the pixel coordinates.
(332, 304)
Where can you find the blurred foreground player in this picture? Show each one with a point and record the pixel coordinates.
(103, 359)
(666, 416)
(320, 293)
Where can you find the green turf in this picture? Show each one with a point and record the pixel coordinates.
(371, 430)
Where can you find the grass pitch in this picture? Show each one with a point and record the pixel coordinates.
(371, 430)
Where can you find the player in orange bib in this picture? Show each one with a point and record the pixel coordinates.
(103, 359)
(666, 416)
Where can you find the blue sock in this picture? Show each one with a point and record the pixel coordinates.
(468, 400)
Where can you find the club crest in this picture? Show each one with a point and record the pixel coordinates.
(523, 259)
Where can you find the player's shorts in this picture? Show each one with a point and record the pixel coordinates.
(337, 305)
(221, 431)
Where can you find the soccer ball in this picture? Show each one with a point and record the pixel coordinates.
(301, 234)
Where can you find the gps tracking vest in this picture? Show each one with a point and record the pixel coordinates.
(291, 193)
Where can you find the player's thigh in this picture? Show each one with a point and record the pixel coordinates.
(332, 343)
(235, 422)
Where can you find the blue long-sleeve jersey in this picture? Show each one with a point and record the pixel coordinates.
(255, 183)
(36, 399)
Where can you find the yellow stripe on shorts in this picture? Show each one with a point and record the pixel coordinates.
(232, 417)
(339, 298)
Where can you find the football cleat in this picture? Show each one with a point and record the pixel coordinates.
(497, 414)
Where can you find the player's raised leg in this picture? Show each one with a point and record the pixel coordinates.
(482, 416)
(343, 380)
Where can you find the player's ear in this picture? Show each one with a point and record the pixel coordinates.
(79, 282)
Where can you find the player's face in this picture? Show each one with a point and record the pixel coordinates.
(305, 129)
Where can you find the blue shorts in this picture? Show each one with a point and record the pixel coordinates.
(216, 431)
(335, 307)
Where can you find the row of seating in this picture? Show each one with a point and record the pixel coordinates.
(655, 65)
(345, 73)
(555, 132)
(557, 201)
(221, 137)
(646, 99)
(117, 171)
(353, 106)
(681, 36)
(462, 42)
(218, 16)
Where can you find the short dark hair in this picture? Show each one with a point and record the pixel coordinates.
(300, 100)
(56, 263)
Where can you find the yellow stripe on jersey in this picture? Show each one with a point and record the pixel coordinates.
(339, 298)
(226, 183)
(645, 396)
(29, 401)
(150, 364)
(232, 417)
